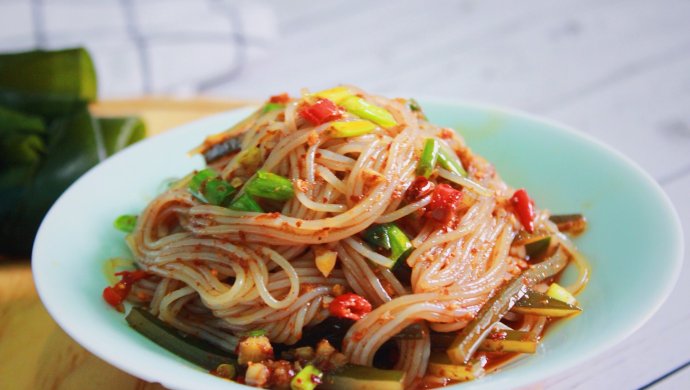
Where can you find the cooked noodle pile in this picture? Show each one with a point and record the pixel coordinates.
(221, 273)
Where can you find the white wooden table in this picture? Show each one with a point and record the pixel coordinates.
(618, 70)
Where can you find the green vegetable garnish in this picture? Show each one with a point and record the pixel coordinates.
(399, 242)
(334, 94)
(250, 158)
(540, 304)
(570, 223)
(448, 162)
(224, 370)
(414, 105)
(365, 110)
(377, 236)
(187, 347)
(388, 236)
(469, 339)
(246, 203)
(429, 157)
(537, 248)
(441, 365)
(307, 379)
(206, 186)
(256, 333)
(510, 341)
(270, 186)
(268, 107)
(217, 191)
(351, 129)
(352, 377)
(200, 177)
(126, 223)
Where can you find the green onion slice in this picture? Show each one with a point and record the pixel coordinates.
(307, 379)
(268, 107)
(199, 178)
(450, 162)
(246, 203)
(217, 191)
(390, 237)
(429, 157)
(365, 110)
(125, 223)
(256, 333)
(351, 129)
(206, 186)
(270, 186)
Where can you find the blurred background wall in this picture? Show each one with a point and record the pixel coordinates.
(566, 59)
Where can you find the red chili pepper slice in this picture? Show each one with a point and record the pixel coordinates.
(444, 203)
(113, 298)
(130, 277)
(524, 209)
(320, 112)
(117, 294)
(350, 306)
(280, 99)
(420, 187)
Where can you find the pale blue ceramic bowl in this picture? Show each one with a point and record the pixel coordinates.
(634, 242)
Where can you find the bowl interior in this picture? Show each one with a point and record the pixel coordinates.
(633, 242)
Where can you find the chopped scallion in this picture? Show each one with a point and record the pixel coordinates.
(246, 203)
(377, 236)
(126, 223)
(399, 242)
(270, 186)
(365, 110)
(556, 291)
(216, 191)
(250, 158)
(336, 95)
(351, 129)
(268, 107)
(206, 186)
(307, 379)
(450, 162)
(414, 105)
(540, 304)
(429, 157)
(389, 237)
(199, 178)
(256, 333)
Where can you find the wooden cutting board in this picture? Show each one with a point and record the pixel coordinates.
(34, 352)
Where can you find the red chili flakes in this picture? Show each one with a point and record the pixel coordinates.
(420, 187)
(280, 99)
(446, 133)
(116, 295)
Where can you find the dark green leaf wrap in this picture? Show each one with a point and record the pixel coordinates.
(47, 83)
(48, 138)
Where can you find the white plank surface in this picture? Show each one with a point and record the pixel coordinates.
(616, 69)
